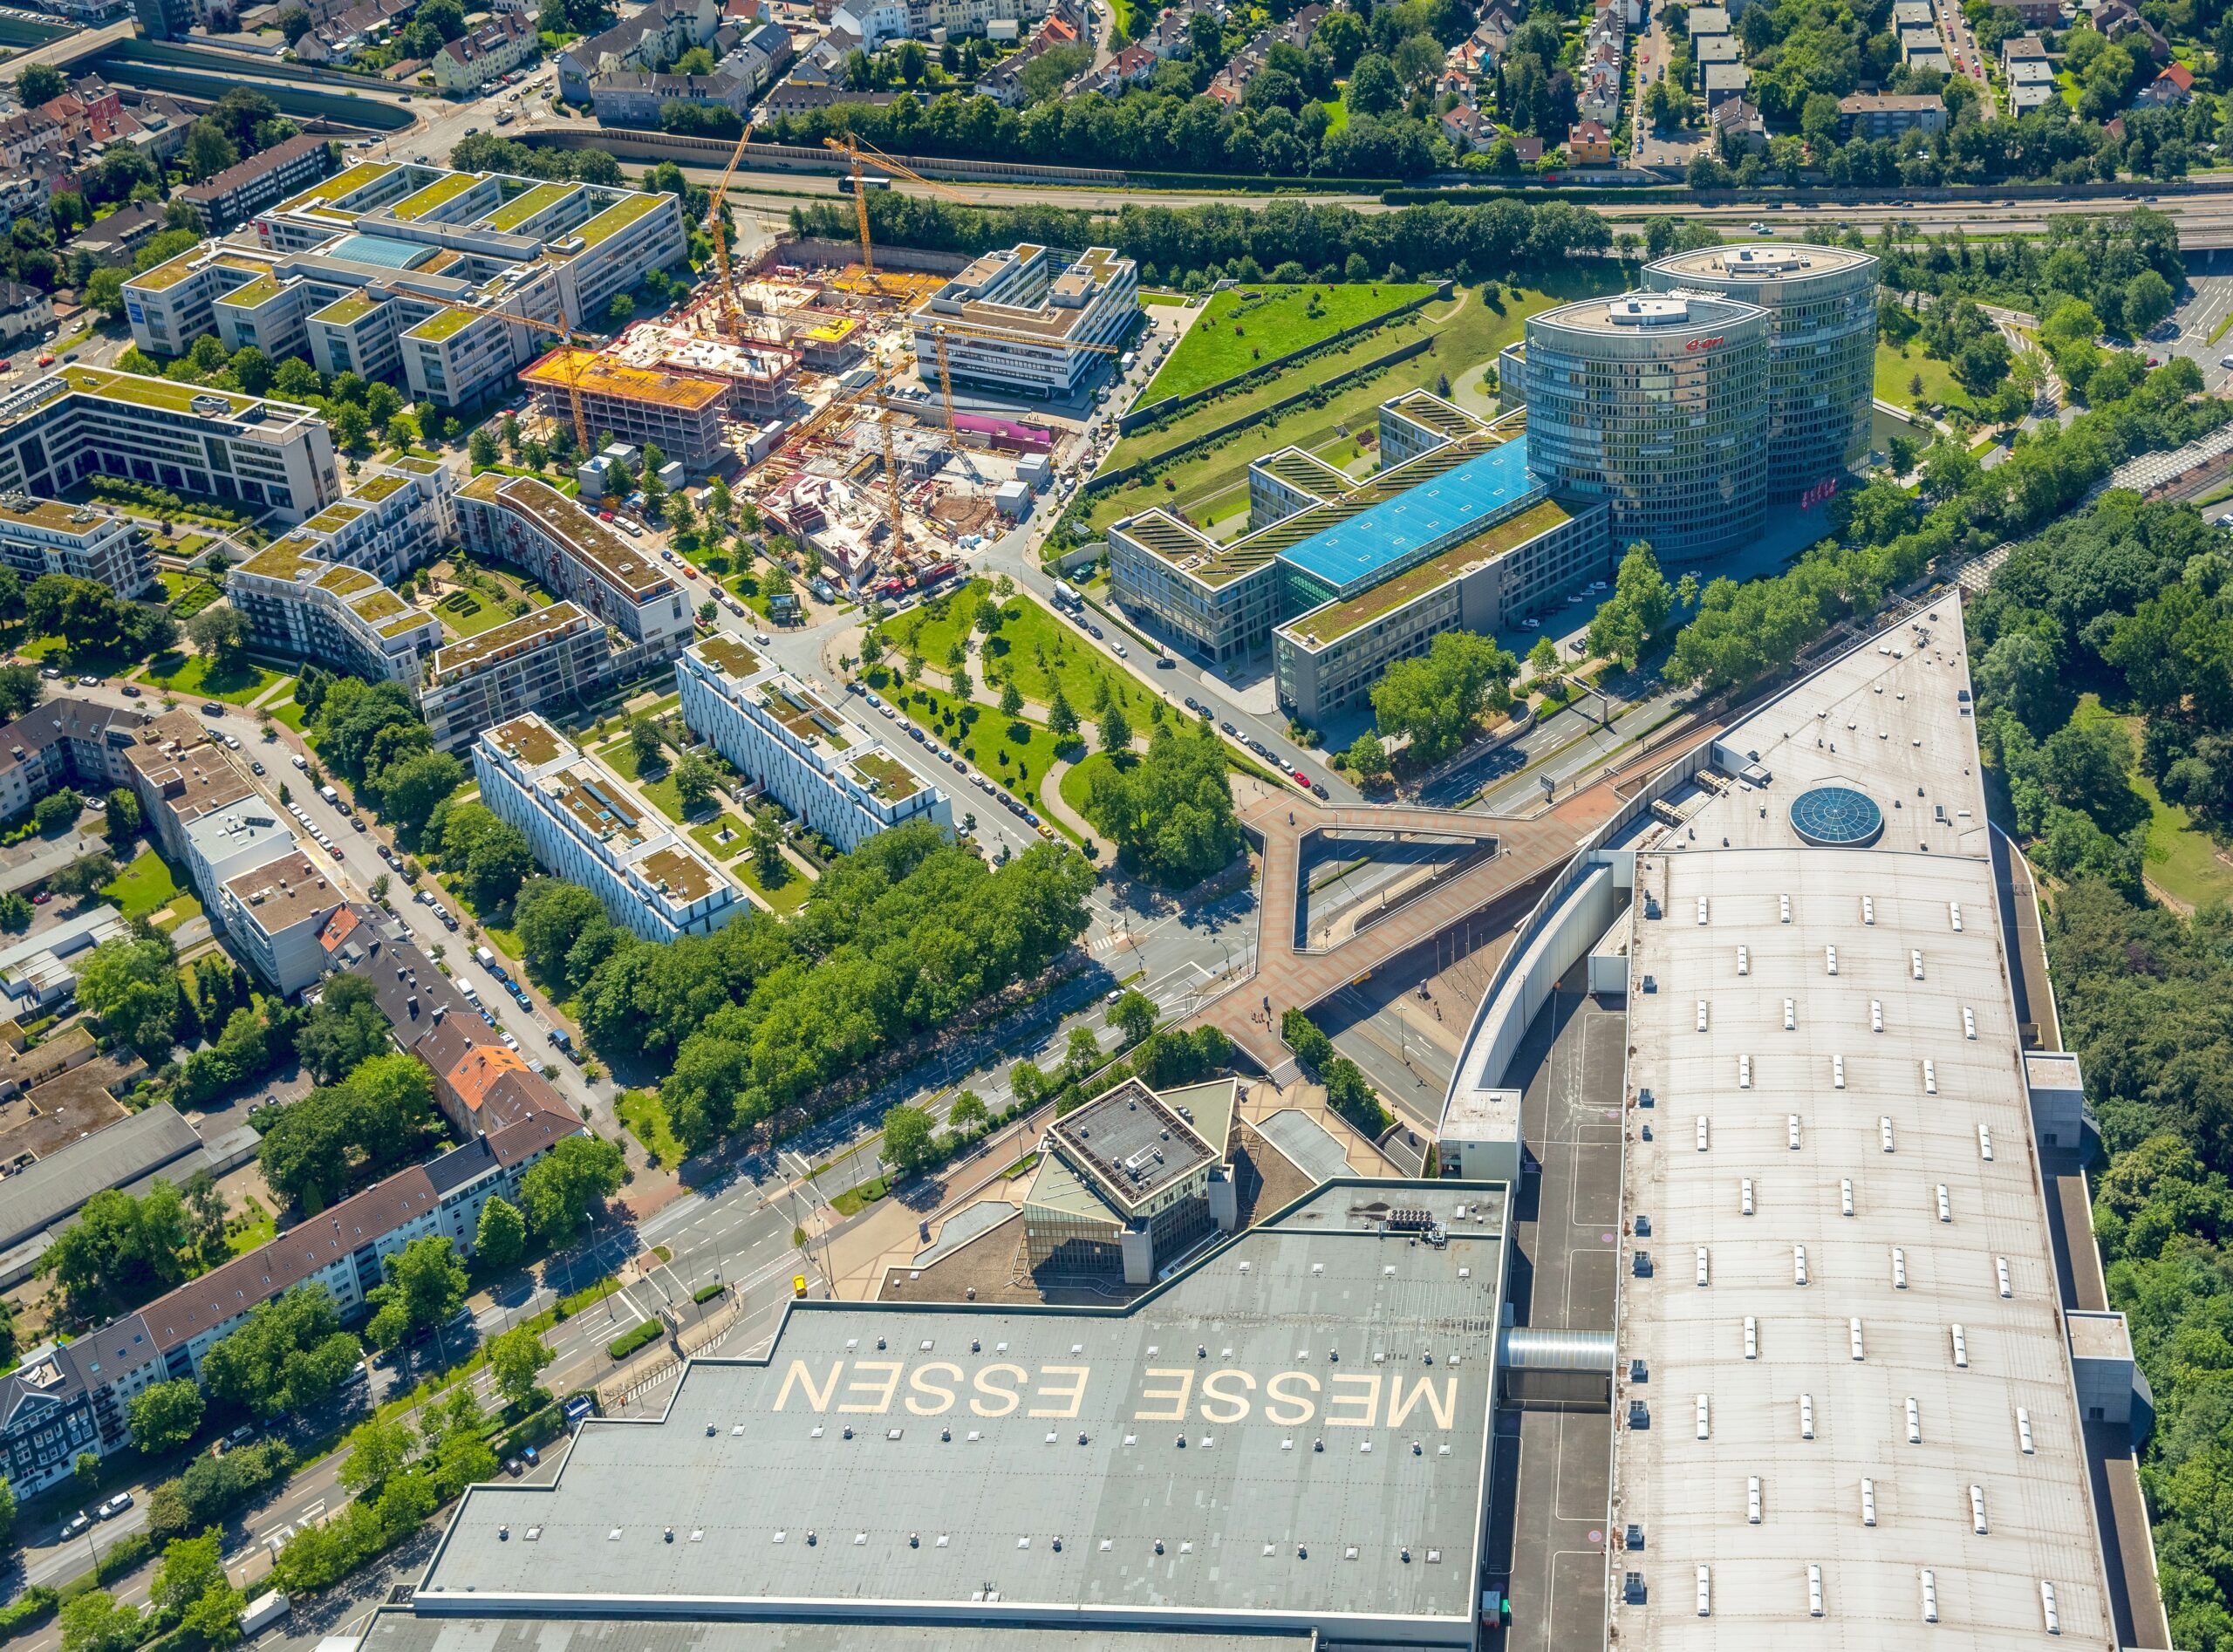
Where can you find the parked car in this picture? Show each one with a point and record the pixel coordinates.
(212, 708)
(131, 691)
(113, 1508)
(76, 1524)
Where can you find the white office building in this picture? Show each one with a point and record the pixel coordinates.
(1030, 319)
(832, 773)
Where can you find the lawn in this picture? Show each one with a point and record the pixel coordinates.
(1173, 300)
(289, 713)
(645, 1117)
(1240, 324)
(1467, 335)
(1897, 370)
(708, 835)
(1031, 646)
(1010, 750)
(785, 898)
(1079, 780)
(468, 613)
(189, 677)
(196, 596)
(147, 885)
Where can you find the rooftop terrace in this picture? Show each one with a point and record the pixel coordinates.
(617, 217)
(343, 184)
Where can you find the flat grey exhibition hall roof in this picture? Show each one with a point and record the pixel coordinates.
(392, 1631)
(1291, 1434)
(1851, 1315)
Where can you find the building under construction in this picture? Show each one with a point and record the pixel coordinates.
(756, 376)
(681, 412)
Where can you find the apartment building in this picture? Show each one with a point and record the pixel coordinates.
(475, 57)
(79, 422)
(275, 913)
(64, 742)
(240, 192)
(1872, 115)
(85, 541)
(552, 657)
(833, 774)
(590, 827)
(659, 33)
(532, 525)
(679, 411)
(298, 604)
(1038, 321)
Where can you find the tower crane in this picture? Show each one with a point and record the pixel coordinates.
(717, 228)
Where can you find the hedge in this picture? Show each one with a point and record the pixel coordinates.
(532, 1430)
(708, 1292)
(628, 1342)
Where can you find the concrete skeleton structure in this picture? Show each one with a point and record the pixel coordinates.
(590, 827)
(831, 772)
(369, 271)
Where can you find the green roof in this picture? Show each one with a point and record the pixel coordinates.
(344, 182)
(373, 489)
(619, 216)
(345, 311)
(445, 323)
(521, 208)
(441, 193)
(1322, 626)
(166, 275)
(261, 291)
(148, 393)
(886, 776)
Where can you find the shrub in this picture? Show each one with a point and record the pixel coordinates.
(628, 1342)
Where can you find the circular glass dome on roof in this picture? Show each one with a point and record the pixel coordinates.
(1836, 817)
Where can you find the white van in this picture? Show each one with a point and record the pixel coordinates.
(487, 960)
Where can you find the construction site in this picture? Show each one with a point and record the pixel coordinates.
(823, 390)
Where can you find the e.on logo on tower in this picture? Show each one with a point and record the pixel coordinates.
(1706, 344)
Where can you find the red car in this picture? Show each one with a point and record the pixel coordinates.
(1301, 779)
(41, 899)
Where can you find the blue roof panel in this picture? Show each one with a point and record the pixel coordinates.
(1388, 533)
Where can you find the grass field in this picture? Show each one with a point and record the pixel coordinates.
(189, 677)
(468, 613)
(289, 713)
(1031, 646)
(1897, 370)
(1010, 750)
(786, 897)
(1467, 335)
(1079, 780)
(645, 1117)
(2183, 859)
(145, 886)
(1240, 325)
(708, 835)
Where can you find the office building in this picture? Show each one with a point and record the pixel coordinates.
(1339, 576)
(836, 776)
(85, 541)
(1132, 1182)
(532, 525)
(390, 269)
(1858, 1393)
(680, 413)
(80, 422)
(590, 827)
(1821, 304)
(1024, 320)
(1654, 406)
(551, 656)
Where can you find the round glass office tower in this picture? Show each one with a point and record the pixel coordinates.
(1821, 305)
(1655, 404)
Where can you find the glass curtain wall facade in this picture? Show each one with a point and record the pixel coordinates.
(1821, 306)
(1655, 405)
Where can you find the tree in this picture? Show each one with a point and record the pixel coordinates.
(695, 783)
(87, 875)
(410, 788)
(500, 1239)
(1170, 814)
(122, 815)
(39, 83)
(767, 848)
(131, 988)
(1061, 718)
(559, 1190)
(1368, 759)
(120, 1250)
(426, 1284)
(378, 1448)
(56, 810)
(908, 1139)
(1116, 732)
(190, 1588)
(1011, 698)
(644, 742)
(208, 151)
(343, 1028)
(1374, 87)
(343, 1137)
(20, 687)
(15, 912)
(294, 22)
(1435, 700)
(165, 1416)
(290, 1354)
(1134, 1015)
(516, 1357)
(968, 1111)
(220, 634)
(480, 447)
(96, 1622)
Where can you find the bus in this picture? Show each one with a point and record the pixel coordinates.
(869, 180)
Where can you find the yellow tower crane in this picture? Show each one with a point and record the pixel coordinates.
(717, 228)
(567, 369)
